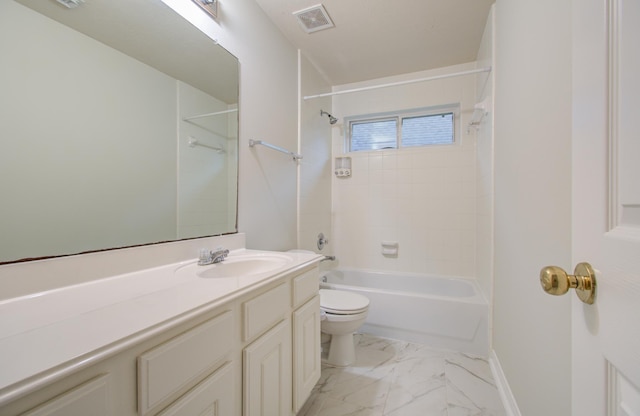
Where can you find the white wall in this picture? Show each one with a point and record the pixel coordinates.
(423, 198)
(531, 334)
(315, 166)
(268, 107)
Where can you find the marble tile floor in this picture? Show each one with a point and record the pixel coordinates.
(398, 378)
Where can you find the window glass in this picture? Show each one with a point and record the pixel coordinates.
(373, 135)
(426, 130)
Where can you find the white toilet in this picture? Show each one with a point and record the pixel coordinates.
(345, 312)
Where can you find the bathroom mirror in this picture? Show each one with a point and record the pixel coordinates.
(118, 127)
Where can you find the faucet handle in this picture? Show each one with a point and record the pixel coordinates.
(205, 256)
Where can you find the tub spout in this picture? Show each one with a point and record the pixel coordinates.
(331, 258)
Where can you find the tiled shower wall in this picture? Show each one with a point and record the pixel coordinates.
(422, 198)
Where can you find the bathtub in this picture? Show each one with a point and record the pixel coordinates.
(442, 312)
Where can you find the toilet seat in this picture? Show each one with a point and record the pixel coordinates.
(340, 302)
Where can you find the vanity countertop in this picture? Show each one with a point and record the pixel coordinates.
(47, 335)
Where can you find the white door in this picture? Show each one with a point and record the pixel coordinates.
(606, 205)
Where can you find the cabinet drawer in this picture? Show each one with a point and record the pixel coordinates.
(90, 398)
(266, 310)
(179, 363)
(213, 396)
(305, 286)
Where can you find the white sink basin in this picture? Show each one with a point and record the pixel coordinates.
(238, 266)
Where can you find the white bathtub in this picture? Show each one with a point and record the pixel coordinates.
(442, 312)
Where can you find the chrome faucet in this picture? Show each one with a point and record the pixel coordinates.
(211, 257)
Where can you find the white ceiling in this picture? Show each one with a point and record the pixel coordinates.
(374, 38)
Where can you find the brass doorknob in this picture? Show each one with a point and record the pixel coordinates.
(555, 281)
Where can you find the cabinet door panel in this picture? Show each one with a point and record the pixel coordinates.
(306, 351)
(212, 397)
(305, 286)
(91, 398)
(175, 365)
(265, 310)
(267, 373)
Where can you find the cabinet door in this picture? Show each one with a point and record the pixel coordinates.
(306, 351)
(267, 373)
(212, 397)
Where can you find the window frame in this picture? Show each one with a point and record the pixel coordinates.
(399, 116)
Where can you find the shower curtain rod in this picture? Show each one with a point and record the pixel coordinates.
(393, 84)
(233, 110)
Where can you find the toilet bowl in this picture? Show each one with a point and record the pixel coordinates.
(344, 313)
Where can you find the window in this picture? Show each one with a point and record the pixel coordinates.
(424, 127)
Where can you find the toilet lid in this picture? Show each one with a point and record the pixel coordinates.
(340, 301)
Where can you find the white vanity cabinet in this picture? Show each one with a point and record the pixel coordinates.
(281, 366)
(255, 354)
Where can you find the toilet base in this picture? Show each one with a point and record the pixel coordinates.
(341, 350)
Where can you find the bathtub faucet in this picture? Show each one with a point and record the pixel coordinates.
(331, 258)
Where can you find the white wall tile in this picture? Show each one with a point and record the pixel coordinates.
(423, 197)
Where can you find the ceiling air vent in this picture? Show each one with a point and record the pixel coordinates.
(314, 18)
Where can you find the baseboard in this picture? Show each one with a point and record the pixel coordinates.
(509, 402)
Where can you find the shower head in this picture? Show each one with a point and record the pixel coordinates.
(332, 119)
